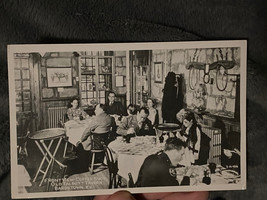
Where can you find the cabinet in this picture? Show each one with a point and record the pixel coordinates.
(96, 76)
(141, 84)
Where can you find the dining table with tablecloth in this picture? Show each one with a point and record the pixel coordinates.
(130, 156)
(75, 129)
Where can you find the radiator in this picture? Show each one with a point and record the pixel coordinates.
(215, 144)
(55, 114)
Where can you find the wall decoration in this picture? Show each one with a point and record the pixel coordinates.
(120, 81)
(59, 77)
(158, 72)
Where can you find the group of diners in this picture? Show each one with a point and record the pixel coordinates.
(112, 120)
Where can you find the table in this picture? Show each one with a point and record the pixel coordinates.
(39, 138)
(221, 175)
(167, 128)
(75, 129)
(131, 155)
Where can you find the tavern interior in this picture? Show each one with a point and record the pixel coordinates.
(132, 76)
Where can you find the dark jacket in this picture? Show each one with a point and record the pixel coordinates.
(170, 104)
(116, 108)
(158, 171)
(100, 124)
(131, 121)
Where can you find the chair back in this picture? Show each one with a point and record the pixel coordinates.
(98, 140)
(112, 167)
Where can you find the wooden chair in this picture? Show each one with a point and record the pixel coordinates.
(112, 167)
(97, 148)
(23, 137)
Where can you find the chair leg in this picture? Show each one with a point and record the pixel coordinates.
(92, 164)
(65, 149)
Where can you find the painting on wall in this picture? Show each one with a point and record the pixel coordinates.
(59, 77)
(158, 71)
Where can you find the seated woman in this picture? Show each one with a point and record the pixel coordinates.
(136, 125)
(74, 112)
(153, 113)
(197, 141)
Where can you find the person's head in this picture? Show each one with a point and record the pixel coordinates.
(100, 108)
(181, 114)
(131, 109)
(143, 114)
(150, 103)
(189, 119)
(111, 97)
(174, 148)
(74, 103)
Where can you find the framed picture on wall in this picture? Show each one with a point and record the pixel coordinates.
(59, 77)
(158, 72)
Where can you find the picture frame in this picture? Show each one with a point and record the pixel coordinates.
(158, 72)
(59, 77)
(120, 81)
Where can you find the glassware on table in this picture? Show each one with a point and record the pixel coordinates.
(212, 167)
(206, 179)
(128, 138)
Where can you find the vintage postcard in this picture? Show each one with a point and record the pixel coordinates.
(91, 119)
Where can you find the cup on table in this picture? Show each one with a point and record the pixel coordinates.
(212, 167)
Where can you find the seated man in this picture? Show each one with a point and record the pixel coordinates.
(159, 169)
(100, 125)
(114, 107)
(138, 125)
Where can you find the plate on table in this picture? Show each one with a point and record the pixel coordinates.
(229, 174)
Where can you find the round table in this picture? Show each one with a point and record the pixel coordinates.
(168, 127)
(48, 155)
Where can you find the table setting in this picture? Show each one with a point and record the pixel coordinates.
(209, 174)
(131, 155)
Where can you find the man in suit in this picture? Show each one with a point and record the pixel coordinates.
(159, 169)
(101, 125)
(133, 124)
(114, 107)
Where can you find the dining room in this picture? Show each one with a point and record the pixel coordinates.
(199, 85)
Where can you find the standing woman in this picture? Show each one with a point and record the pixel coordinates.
(153, 113)
(170, 99)
(197, 141)
(74, 111)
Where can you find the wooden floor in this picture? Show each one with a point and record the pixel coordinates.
(79, 181)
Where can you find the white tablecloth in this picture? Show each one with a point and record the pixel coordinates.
(131, 155)
(75, 129)
(221, 175)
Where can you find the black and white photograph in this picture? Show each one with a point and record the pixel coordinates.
(89, 119)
